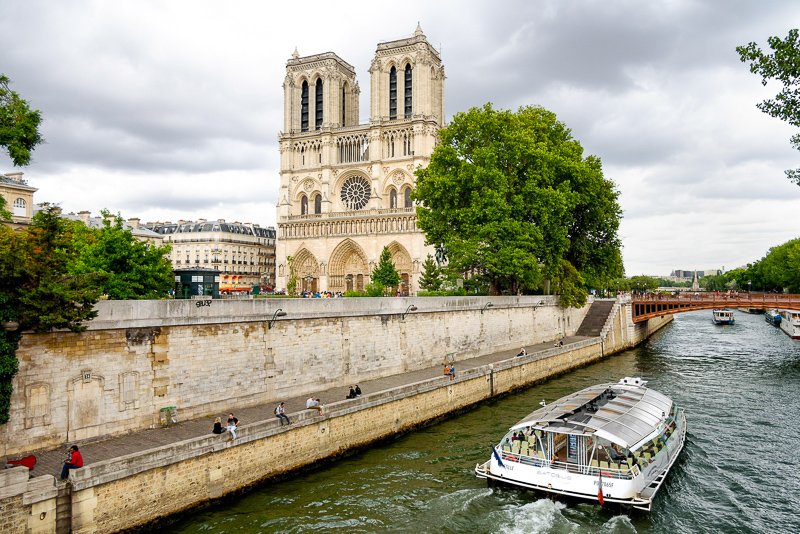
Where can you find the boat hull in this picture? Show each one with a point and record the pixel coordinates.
(790, 323)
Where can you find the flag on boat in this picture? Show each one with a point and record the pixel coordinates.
(497, 457)
(600, 489)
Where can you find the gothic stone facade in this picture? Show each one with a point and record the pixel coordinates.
(346, 187)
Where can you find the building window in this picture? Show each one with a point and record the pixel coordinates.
(344, 102)
(355, 192)
(304, 108)
(393, 94)
(393, 198)
(19, 207)
(407, 92)
(318, 106)
(407, 195)
(318, 204)
(304, 205)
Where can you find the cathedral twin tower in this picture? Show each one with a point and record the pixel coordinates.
(346, 187)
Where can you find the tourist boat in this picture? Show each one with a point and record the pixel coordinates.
(609, 443)
(790, 323)
(723, 316)
(773, 317)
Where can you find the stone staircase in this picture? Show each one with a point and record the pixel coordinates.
(595, 318)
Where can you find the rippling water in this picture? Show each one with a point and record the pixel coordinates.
(740, 386)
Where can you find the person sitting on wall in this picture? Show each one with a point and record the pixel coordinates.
(74, 461)
(522, 352)
(217, 426)
(351, 394)
(358, 391)
(314, 404)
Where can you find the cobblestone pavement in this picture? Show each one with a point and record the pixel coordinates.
(49, 461)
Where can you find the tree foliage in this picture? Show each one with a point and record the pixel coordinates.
(511, 198)
(431, 278)
(385, 273)
(782, 65)
(36, 290)
(19, 125)
(131, 269)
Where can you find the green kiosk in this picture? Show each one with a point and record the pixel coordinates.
(196, 282)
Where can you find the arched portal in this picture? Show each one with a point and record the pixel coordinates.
(402, 262)
(306, 270)
(348, 268)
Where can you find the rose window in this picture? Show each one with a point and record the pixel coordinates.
(355, 192)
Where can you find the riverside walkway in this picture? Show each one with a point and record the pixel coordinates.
(50, 461)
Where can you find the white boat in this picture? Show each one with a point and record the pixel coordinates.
(621, 437)
(723, 316)
(790, 323)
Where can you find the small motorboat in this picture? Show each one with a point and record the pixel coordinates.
(723, 316)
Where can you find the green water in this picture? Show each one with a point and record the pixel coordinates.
(740, 386)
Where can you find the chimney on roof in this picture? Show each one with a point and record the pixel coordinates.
(133, 222)
(84, 216)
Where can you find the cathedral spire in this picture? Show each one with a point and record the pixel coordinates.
(418, 31)
(295, 54)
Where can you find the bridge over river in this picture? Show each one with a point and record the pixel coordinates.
(649, 306)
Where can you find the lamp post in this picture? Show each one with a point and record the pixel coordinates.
(278, 313)
(410, 308)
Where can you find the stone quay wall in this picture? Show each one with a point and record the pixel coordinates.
(140, 488)
(207, 356)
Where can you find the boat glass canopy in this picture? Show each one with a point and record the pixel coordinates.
(624, 414)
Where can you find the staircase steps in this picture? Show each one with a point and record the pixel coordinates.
(595, 318)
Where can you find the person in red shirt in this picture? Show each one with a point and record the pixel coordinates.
(74, 461)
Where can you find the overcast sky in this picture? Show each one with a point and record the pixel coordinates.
(168, 110)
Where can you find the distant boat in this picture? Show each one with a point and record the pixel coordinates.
(773, 317)
(723, 317)
(790, 323)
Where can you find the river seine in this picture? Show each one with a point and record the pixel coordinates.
(740, 386)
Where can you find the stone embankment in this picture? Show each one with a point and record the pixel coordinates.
(135, 484)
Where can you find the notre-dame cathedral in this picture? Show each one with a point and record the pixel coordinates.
(346, 187)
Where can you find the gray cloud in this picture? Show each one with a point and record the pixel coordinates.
(172, 110)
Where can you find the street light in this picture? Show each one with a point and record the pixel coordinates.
(486, 306)
(410, 308)
(278, 313)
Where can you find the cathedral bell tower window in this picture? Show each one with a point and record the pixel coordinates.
(318, 105)
(407, 92)
(304, 108)
(393, 94)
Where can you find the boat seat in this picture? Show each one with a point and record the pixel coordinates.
(524, 448)
(614, 465)
(515, 447)
(540, 455)
(506, 448)
(538, 433)
(630, 463)
(603, 464)
(594, 463)
(647, 456)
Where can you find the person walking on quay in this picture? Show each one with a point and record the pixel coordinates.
(452, 371)
(447, 370)
(217, 426)
(74, 461)
(314, 404)
(233, 422)
(280, 413)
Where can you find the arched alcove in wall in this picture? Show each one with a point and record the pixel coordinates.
(348, 267)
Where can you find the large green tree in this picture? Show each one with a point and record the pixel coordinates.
(132, 269)
(511, 199)
(36, 290)
(431, 278)
(782, 65)
(19, 125)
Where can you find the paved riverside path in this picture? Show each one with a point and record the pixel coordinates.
(50, 461)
